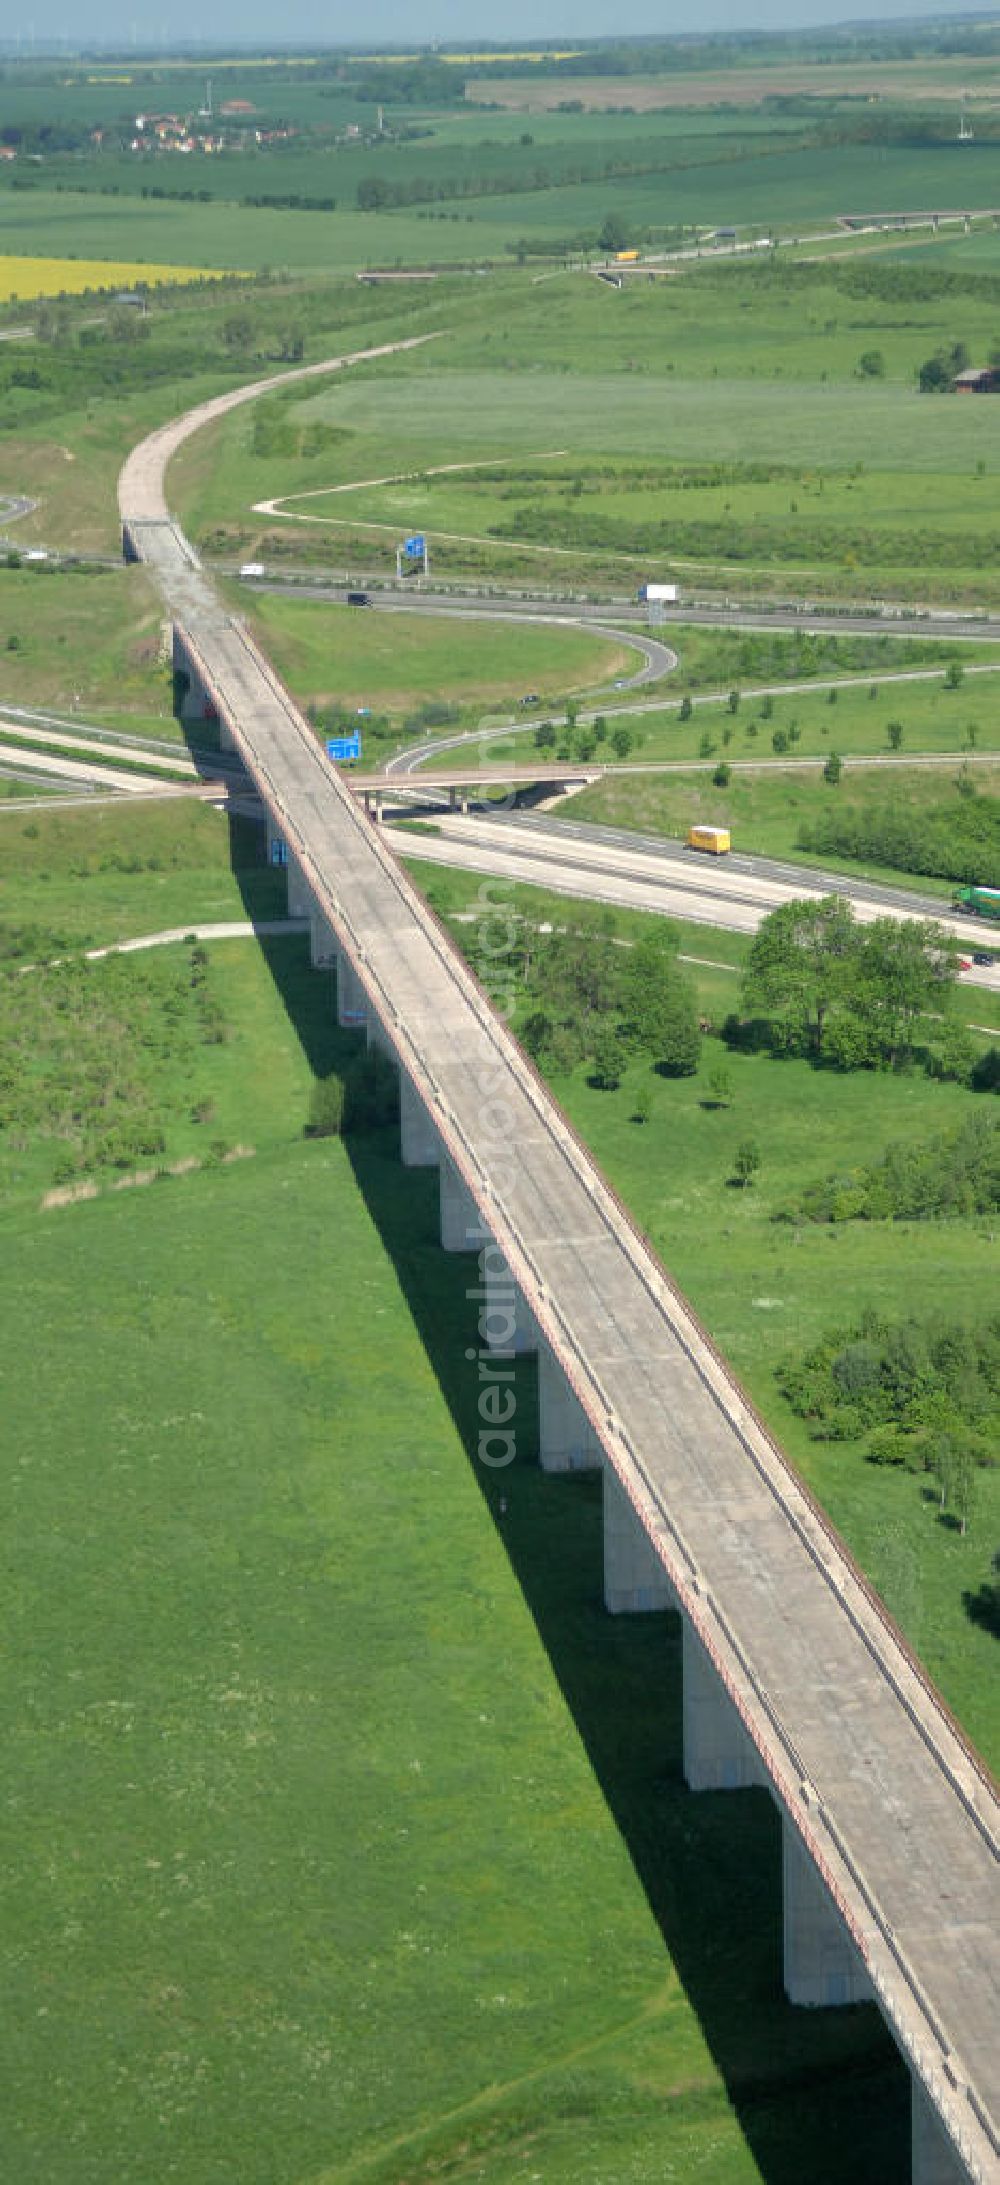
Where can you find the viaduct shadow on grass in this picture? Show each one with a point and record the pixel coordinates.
(820, 2095)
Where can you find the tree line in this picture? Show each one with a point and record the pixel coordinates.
(958, 842)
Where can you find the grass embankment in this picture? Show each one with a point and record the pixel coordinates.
(398, 661)
(89, 639)
(90, 877)
(312, 1763)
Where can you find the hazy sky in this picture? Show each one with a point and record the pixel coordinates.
(332, 22)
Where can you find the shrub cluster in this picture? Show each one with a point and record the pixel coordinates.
(916, 1179)
(925, 1395)
(586, 998)
(97, 1055)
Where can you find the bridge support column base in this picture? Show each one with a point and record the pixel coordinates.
(300, 902)
(377, 1037)
(322, 943)
(506, 1321)
(821, 1965)
(419, 1144)
(635, 1582)
(461, 1222)
(352, 1001)
(934, 2160)
(566, 1440)
(718, 1753)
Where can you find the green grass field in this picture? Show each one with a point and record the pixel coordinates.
(311, 1762)
(931, 717)
(771, 182)
(714, 426)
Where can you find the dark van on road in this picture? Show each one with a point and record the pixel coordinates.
(359, 599)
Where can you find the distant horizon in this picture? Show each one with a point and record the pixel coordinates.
(114, 29)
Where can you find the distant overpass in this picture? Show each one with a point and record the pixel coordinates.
(794, 1676)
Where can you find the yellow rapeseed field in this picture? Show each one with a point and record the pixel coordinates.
(25, 278)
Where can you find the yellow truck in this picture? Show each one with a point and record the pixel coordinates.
(716, 840)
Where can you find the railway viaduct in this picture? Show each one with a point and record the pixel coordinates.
(794, 1676)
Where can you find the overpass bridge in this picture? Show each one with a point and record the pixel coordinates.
(794, 1676)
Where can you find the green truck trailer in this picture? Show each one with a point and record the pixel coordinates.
(979, 902)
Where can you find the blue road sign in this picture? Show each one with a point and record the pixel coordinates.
(344, 747)
(416, 546)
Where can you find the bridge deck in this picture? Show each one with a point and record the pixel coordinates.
(892, 1806)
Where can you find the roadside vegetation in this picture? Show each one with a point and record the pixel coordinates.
(723, 1165)
(935, 826)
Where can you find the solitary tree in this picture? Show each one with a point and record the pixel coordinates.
(747, 1161)
(238, 333)
(614, 233)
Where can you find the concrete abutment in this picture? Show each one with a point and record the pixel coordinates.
(194, 706)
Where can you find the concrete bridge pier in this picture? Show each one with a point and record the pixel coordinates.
(276, 851)
(300, 901)
(718, 1753)
(461, 1221)
(635, 1581)
(378, 1038)
(566, 1440)
(934, 2159)
(821, 1963)
(506, 1321)
(322, 942)
(419, 1144)
(352, 1001)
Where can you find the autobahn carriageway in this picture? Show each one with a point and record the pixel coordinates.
(794, 1675)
